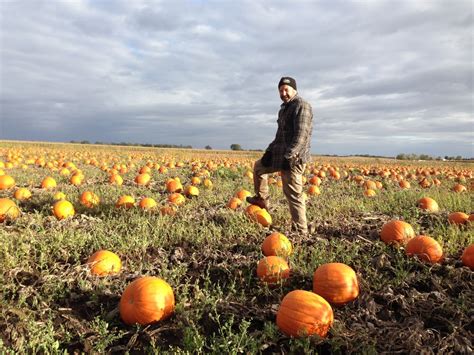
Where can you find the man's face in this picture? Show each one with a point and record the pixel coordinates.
(286, 93)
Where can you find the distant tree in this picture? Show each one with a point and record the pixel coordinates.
(208, 147)
(401, 157)
(458, 157)
(235, 147)
(85, 142)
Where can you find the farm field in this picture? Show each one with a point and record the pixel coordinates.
(208, 252)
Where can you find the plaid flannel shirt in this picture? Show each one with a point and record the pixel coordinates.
(293, 137)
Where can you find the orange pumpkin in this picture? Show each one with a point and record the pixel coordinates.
(251, 210)
(313, 190)
(191, 191)
(147, 203)
(116, 179)
(315, 180)
(263, 217)
(458, 218)
(8, 209)
(234, 203)
(63, 209)
(396, 232)
(369, 193)
(336, 283)
(6, 182)
(125, 201)
(22, 194)
(174, 185)
(425, 248)
(144, 170)
(459, 188)
(48, 183)
(404, 184)
(277, 244)
(104, 262)
(242, 194)
(195, 180)
(146, 300)
(89, 199)
(428, 204)
(59, 196)
(176, 199)
(143, 179)
(208, 183)
(303, 313)
(76, 179)
(467, 257)
(273, 269)
(370, 185)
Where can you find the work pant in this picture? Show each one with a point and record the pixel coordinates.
(292, 189)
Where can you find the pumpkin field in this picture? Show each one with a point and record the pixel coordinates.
(110, 249)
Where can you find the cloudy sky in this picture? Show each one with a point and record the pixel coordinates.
(383, 77)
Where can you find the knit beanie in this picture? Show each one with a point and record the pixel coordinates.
(286, 80)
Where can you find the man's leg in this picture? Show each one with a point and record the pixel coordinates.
(293, 190)
(260, 183)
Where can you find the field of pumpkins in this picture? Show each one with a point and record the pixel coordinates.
(116, 249)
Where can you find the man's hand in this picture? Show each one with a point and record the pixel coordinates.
(290, 161)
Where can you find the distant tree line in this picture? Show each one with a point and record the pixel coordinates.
(136, 144)
(426, 157)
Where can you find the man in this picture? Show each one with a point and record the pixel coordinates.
(289, 152)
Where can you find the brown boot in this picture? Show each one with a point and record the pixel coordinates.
(260, 202)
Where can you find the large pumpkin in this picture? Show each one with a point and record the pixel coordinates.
(143, 179)
(174, 185)
(458, 218)
(146, 300)
(115, 179)
(176, 199)
(125, 201)
(6, 182)
(63, 209)
(404, 184)
(251, 210)
(468, 257)
(22, 194)
(459, 188)
(89, 199)
(263, 217)
(8, 209)
(148, 203)
(396, 232)
(313, 190)
(104, 262)
(425, 248)
(234, 203)
(48, 183)
(277, 244)
(273, 269)
(428, 204)
(191, 191)
(336, 283)
(303, 313)
(242, 194)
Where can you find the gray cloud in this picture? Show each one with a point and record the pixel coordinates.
(383, 77)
